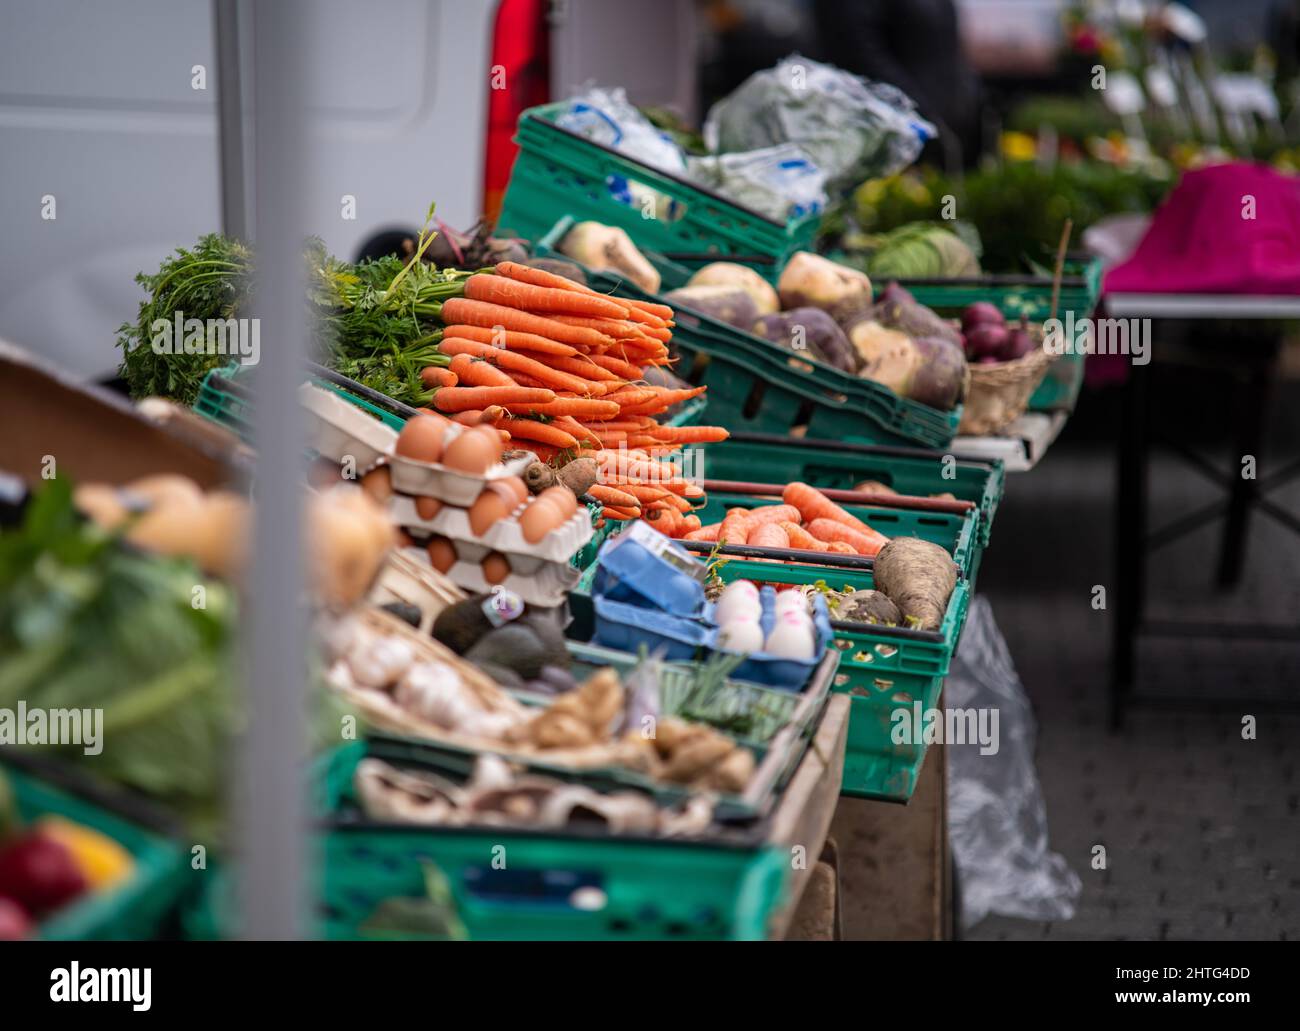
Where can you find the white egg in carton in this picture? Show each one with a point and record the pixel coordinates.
(548, 586)
(339, 430)
(504, 535)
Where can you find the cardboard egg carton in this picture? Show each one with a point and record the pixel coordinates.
(505, 535)
(547, 586)
(339, 430)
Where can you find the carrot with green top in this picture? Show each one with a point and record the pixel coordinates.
(618, 367)
(576, 407)
(613, 496)
(475, 372)
(438, 376)
(512, 363)
(525, 297)
(512, 340)
(541, 432)
(692, 434)
(467, 311)
(460, 399)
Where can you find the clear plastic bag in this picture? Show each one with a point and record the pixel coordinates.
(607, 117)
(997, 822)
(779, 182)
(852, 129)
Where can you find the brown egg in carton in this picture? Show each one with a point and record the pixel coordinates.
(432, 457)
(533, 529)
(547, 585)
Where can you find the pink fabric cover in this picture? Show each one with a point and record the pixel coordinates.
(1199, 242)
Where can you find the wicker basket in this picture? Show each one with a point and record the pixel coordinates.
(999, 392)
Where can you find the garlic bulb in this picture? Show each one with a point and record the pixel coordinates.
(433, 691)
(381, 662)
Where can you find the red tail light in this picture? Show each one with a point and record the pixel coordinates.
(519, 78)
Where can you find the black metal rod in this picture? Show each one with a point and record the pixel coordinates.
(817, 558)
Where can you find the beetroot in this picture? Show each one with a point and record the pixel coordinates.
(981, 313)
(1019, 343)
(986, 339)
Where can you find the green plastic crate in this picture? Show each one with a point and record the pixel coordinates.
(875, 767)
(1030, 296)
(956, 534)
(829, 463)
(882, 668)
(133, 910)
(554, 886)
(558, 173)
(755, 385)
(224, 398)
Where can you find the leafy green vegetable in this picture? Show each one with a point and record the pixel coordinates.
(87, 623)
(212, 281)
(375, 321)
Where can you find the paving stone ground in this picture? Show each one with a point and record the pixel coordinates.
(1201, 827)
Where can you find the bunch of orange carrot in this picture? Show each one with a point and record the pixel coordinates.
(806, 520)
(558, 366)
(634, 485)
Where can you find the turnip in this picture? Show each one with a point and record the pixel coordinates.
(728, 273)
(811, 281)
(886, 356)
(917, 576)
(603, 247)
(898, 309)
(728, 304)
(809, 331)
(941, 379)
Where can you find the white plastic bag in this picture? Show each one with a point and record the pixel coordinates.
(997, 823)
(607, 117)
(852, 129)
(779, 182)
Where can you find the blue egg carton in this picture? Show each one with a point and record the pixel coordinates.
(775, 670)
(643, 568)
(627, 627)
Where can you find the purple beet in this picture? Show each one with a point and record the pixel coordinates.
(986, 339)
(981, 313)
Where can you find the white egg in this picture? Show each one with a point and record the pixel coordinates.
(734, 604)
(791, 638)
(790, 601)
(741, 634)
(742, 587)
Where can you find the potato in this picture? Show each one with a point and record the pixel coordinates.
(728, 273)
